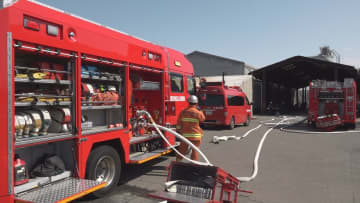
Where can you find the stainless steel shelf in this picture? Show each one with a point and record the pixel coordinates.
(99, 129)
(41, 95)
(43, 81)
(101, 107)
(44, 70)
(95, 77)
(137, 139)
(42, 138)
(24, 104)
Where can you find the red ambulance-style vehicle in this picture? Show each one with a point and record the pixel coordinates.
(224, 105)
(69, 93)
(332, 104)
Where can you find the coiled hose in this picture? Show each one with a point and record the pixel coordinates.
(158, 127)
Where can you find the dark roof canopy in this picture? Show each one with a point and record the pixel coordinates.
(299, 71)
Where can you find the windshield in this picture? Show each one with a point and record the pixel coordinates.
(211, 100)
(191, 85)
(176, 82)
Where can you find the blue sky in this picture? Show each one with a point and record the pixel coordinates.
(256, 32)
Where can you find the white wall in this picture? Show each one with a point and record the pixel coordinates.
(244, 81)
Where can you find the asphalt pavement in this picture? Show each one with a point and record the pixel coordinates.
(293, 167)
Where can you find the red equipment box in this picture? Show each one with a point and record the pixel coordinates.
(196, 183)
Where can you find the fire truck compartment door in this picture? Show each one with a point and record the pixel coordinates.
(62, 191)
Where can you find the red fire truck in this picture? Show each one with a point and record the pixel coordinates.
(332, 104)
(73, 86)
(224, 105)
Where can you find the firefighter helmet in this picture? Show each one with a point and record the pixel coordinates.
(192, 99)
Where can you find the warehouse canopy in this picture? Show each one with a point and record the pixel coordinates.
(299, 71)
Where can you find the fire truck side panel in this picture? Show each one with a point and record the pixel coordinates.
(114, 139)
(95, 39)
(181, 67)
(6, 155)
(313, 103)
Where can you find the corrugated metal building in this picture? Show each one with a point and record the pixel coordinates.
(206, 64)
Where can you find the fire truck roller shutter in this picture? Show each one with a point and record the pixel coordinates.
(104, 164)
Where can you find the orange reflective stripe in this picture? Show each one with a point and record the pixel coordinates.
(194, 120)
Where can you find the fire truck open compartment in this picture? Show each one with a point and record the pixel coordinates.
(44, 119)
(102, 103)
(44, 107)
(146, 91)
(34, 155)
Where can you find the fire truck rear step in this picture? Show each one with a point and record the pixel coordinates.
(137, 158)
(61, 191)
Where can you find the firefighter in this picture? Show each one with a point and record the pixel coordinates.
(188, 124)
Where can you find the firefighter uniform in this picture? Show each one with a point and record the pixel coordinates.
(188, 124)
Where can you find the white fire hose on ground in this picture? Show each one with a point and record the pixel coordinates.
(285, 129)
(257, 154)
(217, 139)
(207, 162)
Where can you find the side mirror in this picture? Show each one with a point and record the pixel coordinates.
(251, 103)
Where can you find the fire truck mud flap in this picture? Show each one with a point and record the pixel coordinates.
(60, 192)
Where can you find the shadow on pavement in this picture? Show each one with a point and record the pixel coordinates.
(150, 168)
(130, 173)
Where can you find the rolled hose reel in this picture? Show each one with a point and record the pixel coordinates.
(46, 121)
(28, 124)
(61, 120)
(36, 122)
(19, 126)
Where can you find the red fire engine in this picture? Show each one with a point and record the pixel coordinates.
(224, 105)
(69, 120)
(332, 104)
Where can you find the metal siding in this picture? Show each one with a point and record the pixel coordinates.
(212, 66)
(10, 112)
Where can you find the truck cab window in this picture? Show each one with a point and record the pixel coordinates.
(235, 100)
(176, 82)
(191, 85)
(247, 101)
(211, 100)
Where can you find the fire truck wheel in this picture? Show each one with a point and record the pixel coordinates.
(104, 164)
(247, 122)
(232, 123)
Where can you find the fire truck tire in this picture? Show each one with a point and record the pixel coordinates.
(247, 122)
(232, 123)
(104, 164)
